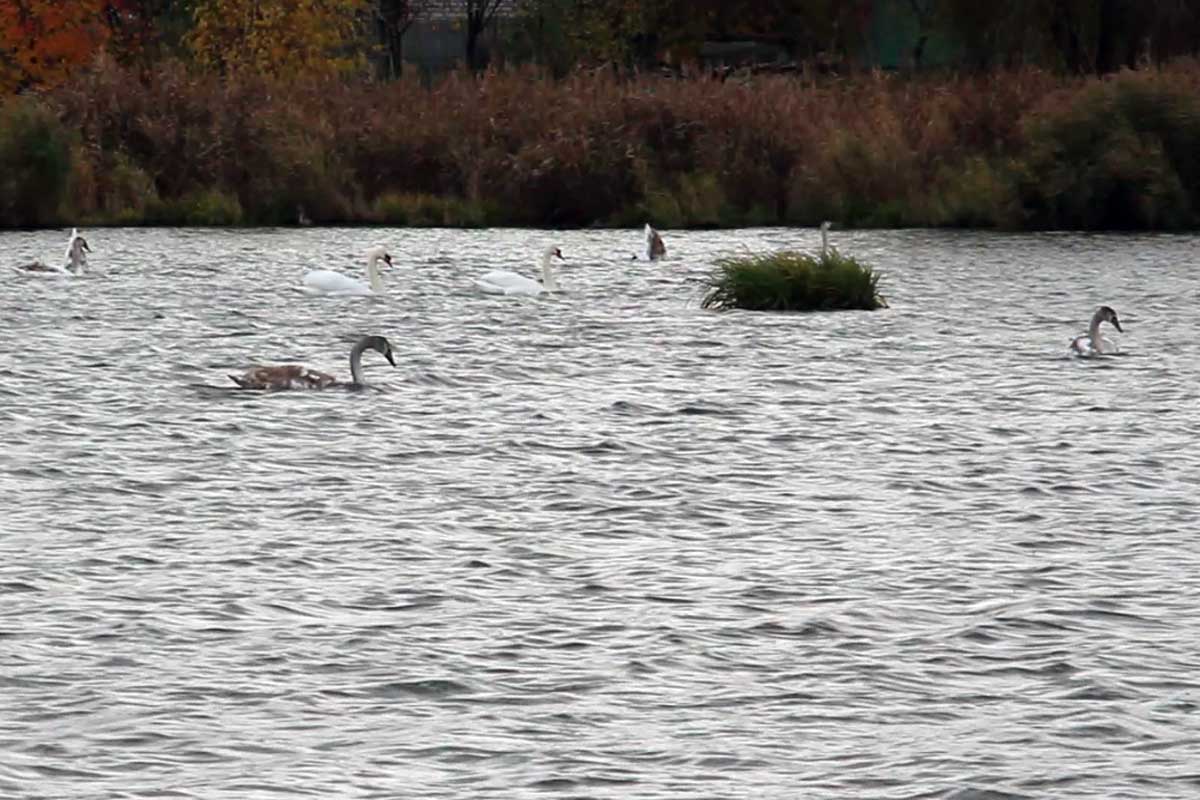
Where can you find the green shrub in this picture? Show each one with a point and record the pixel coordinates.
(690, 200)
(660, 208)
(974, 194)
(701, 199)
(864, 178)
(295, 169)
(428, 211)
(127, 193)
(1124, 154)
(35, 163)
(211, 207)
(791, 281)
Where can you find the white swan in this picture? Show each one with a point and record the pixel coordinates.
(825, 226)
(294, 376)
(328, 282)
(75, 259)
(502, 281)
(1092, 343)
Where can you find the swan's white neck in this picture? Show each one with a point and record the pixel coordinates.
(1094, 327)
(375, 279)
(549, 282)
(824, 241)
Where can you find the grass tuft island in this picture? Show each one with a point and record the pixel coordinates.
(792, 281)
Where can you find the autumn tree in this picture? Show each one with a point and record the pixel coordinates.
(146, 31)
(277, 37)
(43, 41)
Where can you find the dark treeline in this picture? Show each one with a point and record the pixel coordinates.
(43, 42)
(1074, 36)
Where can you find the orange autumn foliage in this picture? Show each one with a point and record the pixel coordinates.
(280, 38)
(43, 41)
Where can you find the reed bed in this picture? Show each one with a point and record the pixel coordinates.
(1014, 149)
(793, 281)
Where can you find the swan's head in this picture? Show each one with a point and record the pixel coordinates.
(1109, 315)
(553, 250)
(826, 225)
(77, 251)
(379, 254)
(382, 346)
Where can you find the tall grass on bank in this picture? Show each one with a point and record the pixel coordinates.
(1010, 149)
(792, 281)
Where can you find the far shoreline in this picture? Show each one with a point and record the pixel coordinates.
(1017, 151)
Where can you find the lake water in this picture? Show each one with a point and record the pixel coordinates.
(604, 543)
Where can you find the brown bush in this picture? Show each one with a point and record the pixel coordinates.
(519, 148)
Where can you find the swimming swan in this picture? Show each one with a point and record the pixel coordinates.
(655, 248)
(502, 281)
(1092, 343)
(825, 226)
(294, 376)
(328, 282)
(75, 259)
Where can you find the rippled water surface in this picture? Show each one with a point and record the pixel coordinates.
(603, 543)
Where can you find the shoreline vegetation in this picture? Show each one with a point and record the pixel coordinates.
(1023, 149)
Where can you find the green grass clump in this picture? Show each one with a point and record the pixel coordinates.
(792, 281)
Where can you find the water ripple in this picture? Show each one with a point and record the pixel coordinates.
(602, 544)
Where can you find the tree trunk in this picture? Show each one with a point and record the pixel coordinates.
(394, 18)
(393, 45)
(479, 15)
(474, 30)
(1065, 34)
(1108, 38)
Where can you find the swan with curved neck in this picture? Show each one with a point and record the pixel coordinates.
(75, 260)
(502, 281)
(1092, 343)
(295, 376)
(328, 282)
(77, 250)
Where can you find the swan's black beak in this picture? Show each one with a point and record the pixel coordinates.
(388, 356)
(83, 241)
(1117, 324)
(387, 259)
